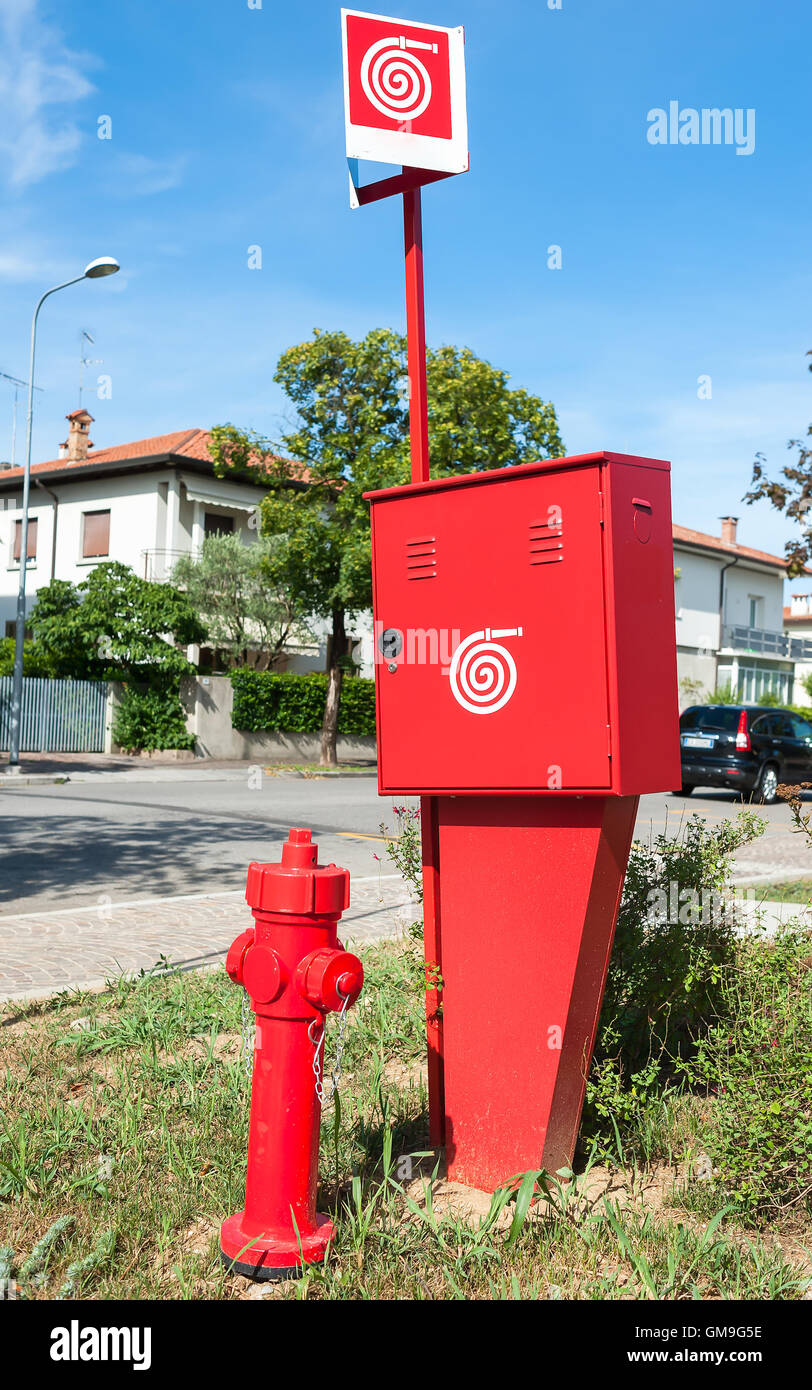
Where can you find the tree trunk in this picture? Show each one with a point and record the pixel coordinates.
(329, 729)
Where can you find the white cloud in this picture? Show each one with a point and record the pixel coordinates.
(38, 76)
(21, 267)
(138, 176)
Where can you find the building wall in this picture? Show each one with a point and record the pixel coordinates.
(696, 600)
(741, 584)
(696, 674)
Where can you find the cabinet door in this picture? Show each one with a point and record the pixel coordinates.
(489, 611)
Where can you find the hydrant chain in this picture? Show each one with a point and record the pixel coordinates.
(318, 1046)
(248, 1032)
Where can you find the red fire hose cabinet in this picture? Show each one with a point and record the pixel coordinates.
(527, 690)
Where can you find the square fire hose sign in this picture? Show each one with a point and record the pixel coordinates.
(404, 92)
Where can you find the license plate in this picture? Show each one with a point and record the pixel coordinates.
(688, 742)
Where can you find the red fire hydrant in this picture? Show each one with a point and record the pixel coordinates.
(295, 972)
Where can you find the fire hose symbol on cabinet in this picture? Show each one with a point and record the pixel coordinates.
(483, 672)
(396, 82)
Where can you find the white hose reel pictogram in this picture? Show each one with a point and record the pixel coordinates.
(483, 672)
(396, 82)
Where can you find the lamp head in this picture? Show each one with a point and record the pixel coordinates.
(103, 265)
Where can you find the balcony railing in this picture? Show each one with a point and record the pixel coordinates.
(763, 642)
(158, 564)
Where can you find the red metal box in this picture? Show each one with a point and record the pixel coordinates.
(524, 630)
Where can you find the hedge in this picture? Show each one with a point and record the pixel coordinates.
(294, 704)
(150, 719)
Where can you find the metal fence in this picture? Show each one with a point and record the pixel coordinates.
(57, 716)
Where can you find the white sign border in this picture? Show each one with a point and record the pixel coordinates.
(401, 147)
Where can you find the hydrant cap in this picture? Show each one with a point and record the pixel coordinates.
(299, 883)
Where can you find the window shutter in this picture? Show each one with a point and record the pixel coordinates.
(96, 534)
(32, 539)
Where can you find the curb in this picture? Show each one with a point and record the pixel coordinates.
(166, 774)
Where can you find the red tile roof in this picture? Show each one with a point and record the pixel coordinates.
(690, 537)
(790, 617)
(191, 444)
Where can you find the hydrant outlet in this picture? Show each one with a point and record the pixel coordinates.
(263, 974)
(235, 960)
(328, 978)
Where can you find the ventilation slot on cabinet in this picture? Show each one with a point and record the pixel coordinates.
(421, 558)
(546, 545)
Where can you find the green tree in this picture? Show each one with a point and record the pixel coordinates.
(117, 626)
(35, 662)
(352, 435)
(792, 496)
(233, 586)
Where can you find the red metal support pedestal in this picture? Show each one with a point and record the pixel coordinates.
(530, 893)
(295, 972)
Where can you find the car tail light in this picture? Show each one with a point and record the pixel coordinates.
(742, 735)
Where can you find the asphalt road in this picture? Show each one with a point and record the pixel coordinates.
(85, 843)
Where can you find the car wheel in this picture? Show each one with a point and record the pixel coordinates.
(685, 789)
(768, 785)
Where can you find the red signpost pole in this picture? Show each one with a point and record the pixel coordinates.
(419, 447)
(416, 335)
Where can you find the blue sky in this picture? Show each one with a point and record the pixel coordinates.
(227, 132)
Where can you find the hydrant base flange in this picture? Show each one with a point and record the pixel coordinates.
(272, 1255)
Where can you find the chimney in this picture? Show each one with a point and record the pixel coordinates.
(78, 441)
(729, 524)
(800, 605)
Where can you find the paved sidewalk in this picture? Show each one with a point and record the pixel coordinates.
(42, 953)
(780, 855)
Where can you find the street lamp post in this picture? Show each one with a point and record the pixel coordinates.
(104, 265)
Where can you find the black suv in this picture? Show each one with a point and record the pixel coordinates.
(750, 748)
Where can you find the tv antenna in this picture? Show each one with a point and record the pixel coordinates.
(84, 337)
(18, 385)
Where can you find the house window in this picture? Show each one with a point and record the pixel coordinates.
(214, 525)
(32, 539)
(756, 680)
(754, 610)
(95, 534)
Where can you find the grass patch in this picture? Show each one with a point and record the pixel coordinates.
(317, 769)
(797, 890)
(123, 1142)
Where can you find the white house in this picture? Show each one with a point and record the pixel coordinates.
(729, 601)
(143, 504)
(798, 628)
